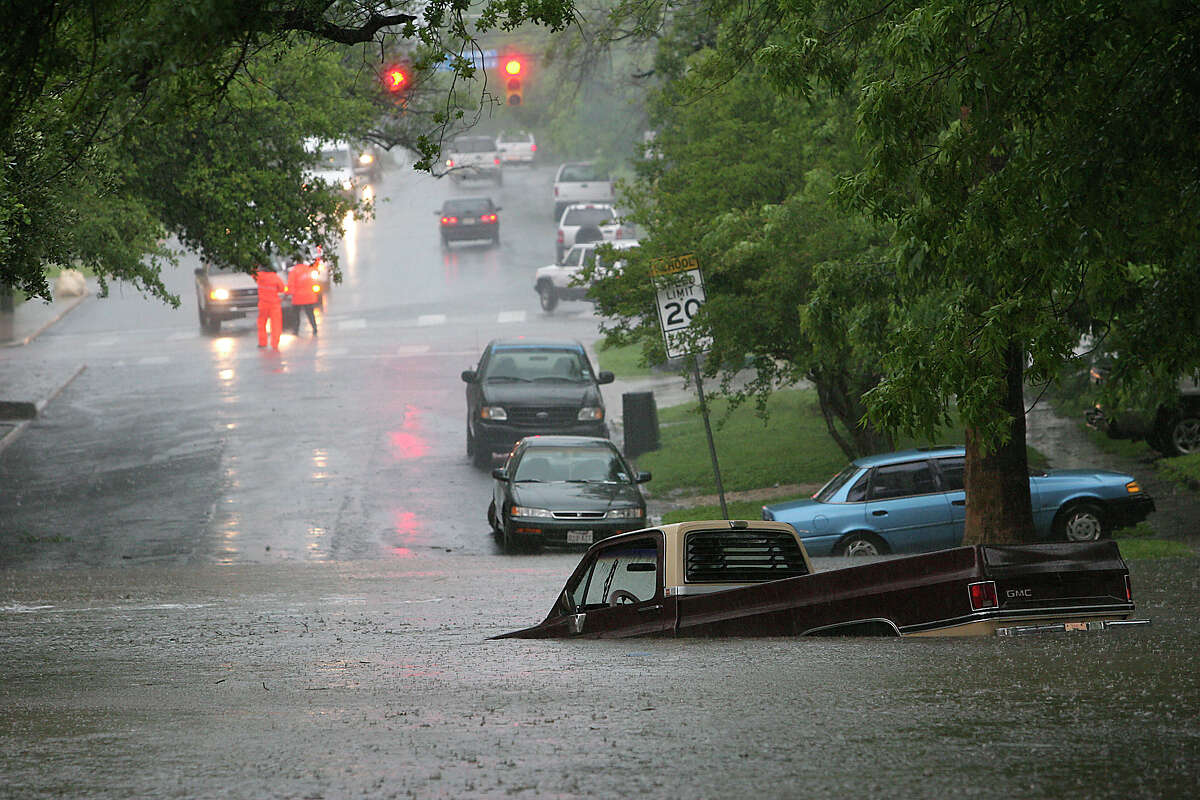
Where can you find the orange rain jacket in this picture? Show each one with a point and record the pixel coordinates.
(300, 284)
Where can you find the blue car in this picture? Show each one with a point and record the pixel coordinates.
(912, 501)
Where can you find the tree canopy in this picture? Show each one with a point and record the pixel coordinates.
(124, 123)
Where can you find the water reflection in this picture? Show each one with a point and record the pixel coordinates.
(408, 442)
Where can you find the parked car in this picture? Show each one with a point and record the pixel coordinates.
(580, 182)
(564, 490)
(1171, 428)
(912, 501)
(474, 157)
(556, 282)
(516, 147)
(469, 218)
(745, 578)
(525, 386)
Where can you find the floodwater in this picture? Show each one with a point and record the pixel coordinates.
(377, 679)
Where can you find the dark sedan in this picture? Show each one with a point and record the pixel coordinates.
(524, 386)
(565, 490)
(469, 218)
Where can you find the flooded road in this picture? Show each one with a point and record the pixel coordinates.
(230, 573)
(377, 679)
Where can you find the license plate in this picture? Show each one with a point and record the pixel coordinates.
(579, 537)
(469, 222)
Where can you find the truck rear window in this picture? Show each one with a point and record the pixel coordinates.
(474, 144)
(573, 173)
(741, 556)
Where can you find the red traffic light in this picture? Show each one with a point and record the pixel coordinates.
(513, 67)
(395, 79)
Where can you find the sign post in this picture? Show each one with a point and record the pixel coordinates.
(680, 294)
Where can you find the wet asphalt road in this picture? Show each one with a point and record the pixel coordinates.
(230, 573)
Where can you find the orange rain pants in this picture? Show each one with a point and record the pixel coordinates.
(270, 310)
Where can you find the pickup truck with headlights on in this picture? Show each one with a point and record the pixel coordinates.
(754, 578)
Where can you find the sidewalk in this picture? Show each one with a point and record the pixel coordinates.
(27, 384)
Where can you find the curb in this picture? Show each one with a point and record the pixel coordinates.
(68, 307)
(38, 406)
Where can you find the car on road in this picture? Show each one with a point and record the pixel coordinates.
(474, 157)
(580, 182)
(556, 282)
(469, 218)
(753, 578)
(334, 163)
(516, 147)
(524, 386)
(581, 223)
(564, 490)
(912, 501)
(222, 294)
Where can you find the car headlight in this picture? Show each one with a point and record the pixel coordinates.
(347, 185)
(526, 511)
(219, 294)
(626, 513)
(366, 158)
(591, 413)
(493, 412)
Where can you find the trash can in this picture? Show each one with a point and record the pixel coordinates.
(640, 416)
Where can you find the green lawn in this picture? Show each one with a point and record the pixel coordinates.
(793, 446)
(624, 362)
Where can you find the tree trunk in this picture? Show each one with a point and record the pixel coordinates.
(842, 404)
(999, 510)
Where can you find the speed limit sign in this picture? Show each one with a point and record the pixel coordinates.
(680, 292)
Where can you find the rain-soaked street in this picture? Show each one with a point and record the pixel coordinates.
(229, 572)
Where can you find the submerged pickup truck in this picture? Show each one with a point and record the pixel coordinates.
(754, 578)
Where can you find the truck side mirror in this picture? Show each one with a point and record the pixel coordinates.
(643, 476)
(605, 377)
(499, 474)
(468, 376)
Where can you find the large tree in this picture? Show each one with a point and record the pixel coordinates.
(123, 122)
(1036, 159)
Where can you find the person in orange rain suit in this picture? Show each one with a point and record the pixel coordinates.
(304, 294)
(270, 309)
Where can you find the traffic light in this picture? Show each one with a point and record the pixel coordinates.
(396, 79)
(513, 69)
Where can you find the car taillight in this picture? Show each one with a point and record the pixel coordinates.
(556, 191)
(1128, 590)
(449, 162)
(488, 218)
(449, 220)
(497, 161)
(620, 234)
(983, 595)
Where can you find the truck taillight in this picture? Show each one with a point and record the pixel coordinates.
(560, 235)
(983, 595)
(496, 161)
(1128, 590)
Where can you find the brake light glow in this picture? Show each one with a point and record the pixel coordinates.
(449, 162)
(983, 595)
(488, 218)
(560, 235)
(496, 161)
(1128, 590)
(449, 220)
(533, 148)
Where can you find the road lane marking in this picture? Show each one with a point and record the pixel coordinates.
(431, 319)
(107, 341)
(351, 324)
(412, 350)
(153, 360)
(511, 316)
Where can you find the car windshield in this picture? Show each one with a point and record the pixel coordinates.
(531, 364)
(474, 144)
(213, 269)
(467, 207)
(547, 464)
(581, 172)
(592, 215)
(826, 493)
